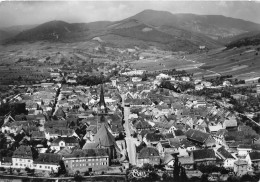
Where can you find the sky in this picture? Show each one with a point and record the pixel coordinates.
(36, 12)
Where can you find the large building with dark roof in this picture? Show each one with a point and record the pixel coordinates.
(87, 160)
(204, 156)
(148, 155)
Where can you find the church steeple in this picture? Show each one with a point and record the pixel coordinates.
(102, 104)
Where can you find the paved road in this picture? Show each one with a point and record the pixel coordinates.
(130, 144)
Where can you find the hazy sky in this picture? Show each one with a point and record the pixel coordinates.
(28, 12)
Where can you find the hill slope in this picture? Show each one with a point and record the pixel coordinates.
(4, 35)
(54, 30)
(249, 40)
(214, 26)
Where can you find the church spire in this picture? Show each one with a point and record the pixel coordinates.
(102, 103)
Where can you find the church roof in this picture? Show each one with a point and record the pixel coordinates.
(104, 137)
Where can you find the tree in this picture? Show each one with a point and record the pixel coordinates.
(62, 168)
(148, 167)
(183, 176)
(176, 170)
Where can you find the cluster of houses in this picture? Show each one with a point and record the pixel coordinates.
(83, 128)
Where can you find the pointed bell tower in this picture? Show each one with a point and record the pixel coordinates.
(102, 104)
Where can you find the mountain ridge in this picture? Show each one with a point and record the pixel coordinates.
(150, 26)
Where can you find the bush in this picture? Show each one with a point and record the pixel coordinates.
(86, 173)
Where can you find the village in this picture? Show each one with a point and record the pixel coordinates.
(156, 125)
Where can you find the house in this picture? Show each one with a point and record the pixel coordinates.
(228, 159)
(204, 156)
(152, 139)
(219, 136)
(240, 167)
(47, 162)
(243, 149)
(253, 160)
(87, 160)
(38, 135)
(61, 142)
(201, 138)
(230, 123)
(187, 162)
(22, 157)
(148, 155)
(168, 161)
(179, 134)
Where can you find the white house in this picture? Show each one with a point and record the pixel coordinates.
(47, 162)
(228, 159)
(61, 142)
(22, 157)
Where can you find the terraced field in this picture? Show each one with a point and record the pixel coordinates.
(242, 63)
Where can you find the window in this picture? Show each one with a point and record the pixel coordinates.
(29, 160)
(40, 166)
(16, 164)
(48, 167)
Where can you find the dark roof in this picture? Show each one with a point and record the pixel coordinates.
(197, 135)
(60, 113)
(169, 135)
(154, 137)
(48, 158)
(38, 134)
(6, 160)
(254, 156)
(142, 125)
(23, 152)
(104, 137)
(256, 146)
(148, 152)
(223, 152)
(67, 140)
(140, 147)
(178, 133)
(88, 153)
(203, 154)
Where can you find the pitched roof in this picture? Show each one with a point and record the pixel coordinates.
(104, 137)
(140, 147)
(38, 134)
(23, 152)
(154, 137)
(178, 132)
(167, 158)
(224, 153)
(88, 153)
(240, 162)
(148, 152)
(204, 154)
(254, 156)
(197, 135)
(48, 158)
(64, 151)
(91, 145)
(67, 140)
